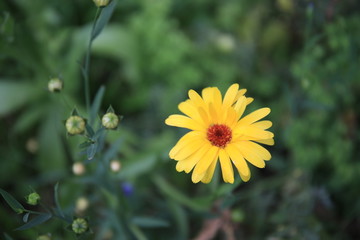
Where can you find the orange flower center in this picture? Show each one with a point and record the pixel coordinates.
(219, 135)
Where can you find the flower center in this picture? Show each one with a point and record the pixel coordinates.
(219, 135)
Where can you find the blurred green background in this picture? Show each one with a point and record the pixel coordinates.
(298, 57)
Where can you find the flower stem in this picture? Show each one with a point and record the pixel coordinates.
(87, 62)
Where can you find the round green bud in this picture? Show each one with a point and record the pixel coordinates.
(75, 125)
(33, 198)
(110, 120)
(43, 237)
(55, 85)
(101, 3)
(79, 226)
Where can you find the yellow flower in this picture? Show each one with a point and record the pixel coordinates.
(219, 131)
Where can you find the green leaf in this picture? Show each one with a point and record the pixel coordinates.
(91, 151)
(57, 203)
(89, 130)
(137, 232)
(113, 150)
(22, 90)
(26, 217)
(149, 222)
(85, 144)
(137, 167)
(7, 237)
(95, 107)
(103, 19)
(178, 196)
(13, 203)
(35, 221)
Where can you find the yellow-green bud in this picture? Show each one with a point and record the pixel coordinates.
(101, 3)
(55, 85)
(43, 237)
(75, 125)
(33, 198)
(110, 120)
(79, 226)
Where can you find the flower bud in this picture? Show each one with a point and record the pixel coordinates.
(75, 125)
(225, 43)
(101, 3)
(127, 189)
(78, 169)
(115, 165)
(55, 85)
(44, 237)
(79, 226)
(110, 120)
(33, 198)
(81, 204)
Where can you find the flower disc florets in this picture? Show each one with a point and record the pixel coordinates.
(219, 135)
(75, 125)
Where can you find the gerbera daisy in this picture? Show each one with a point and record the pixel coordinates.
(219, 132)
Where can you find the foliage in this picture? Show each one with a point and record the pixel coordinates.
(300, 58)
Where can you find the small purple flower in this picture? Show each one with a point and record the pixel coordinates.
(127, 188)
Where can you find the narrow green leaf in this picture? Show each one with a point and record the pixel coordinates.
(149, 222)
(112, 151)
(35, 221)
(22, 90)
(91, 151)
(26, 217)
(89, 130)
(103, 19)
(177, 196)
(95, 107)
(137, 232)
(85, 144)
(137, 167)
(56, 197)
(13, 203)
(7, 237)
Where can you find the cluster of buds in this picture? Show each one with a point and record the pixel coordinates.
(102, 3)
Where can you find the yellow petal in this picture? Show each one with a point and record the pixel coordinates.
(240, 93)
(189, 149)
(252, 132)
(177, 120)
(249, 100)
(188, 164)
(269, 141)
(196, 99)
(262, 124)
(250, 155)
(240, 106)
(185, 140)
(230, 95)
(260, 150)
(254, 116)
(238, 160)
(213, 114)
(210, 172)
(204, 163)
(226, 167)
(208, 94)
(190, 110)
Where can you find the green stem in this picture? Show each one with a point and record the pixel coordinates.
(87, 63)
